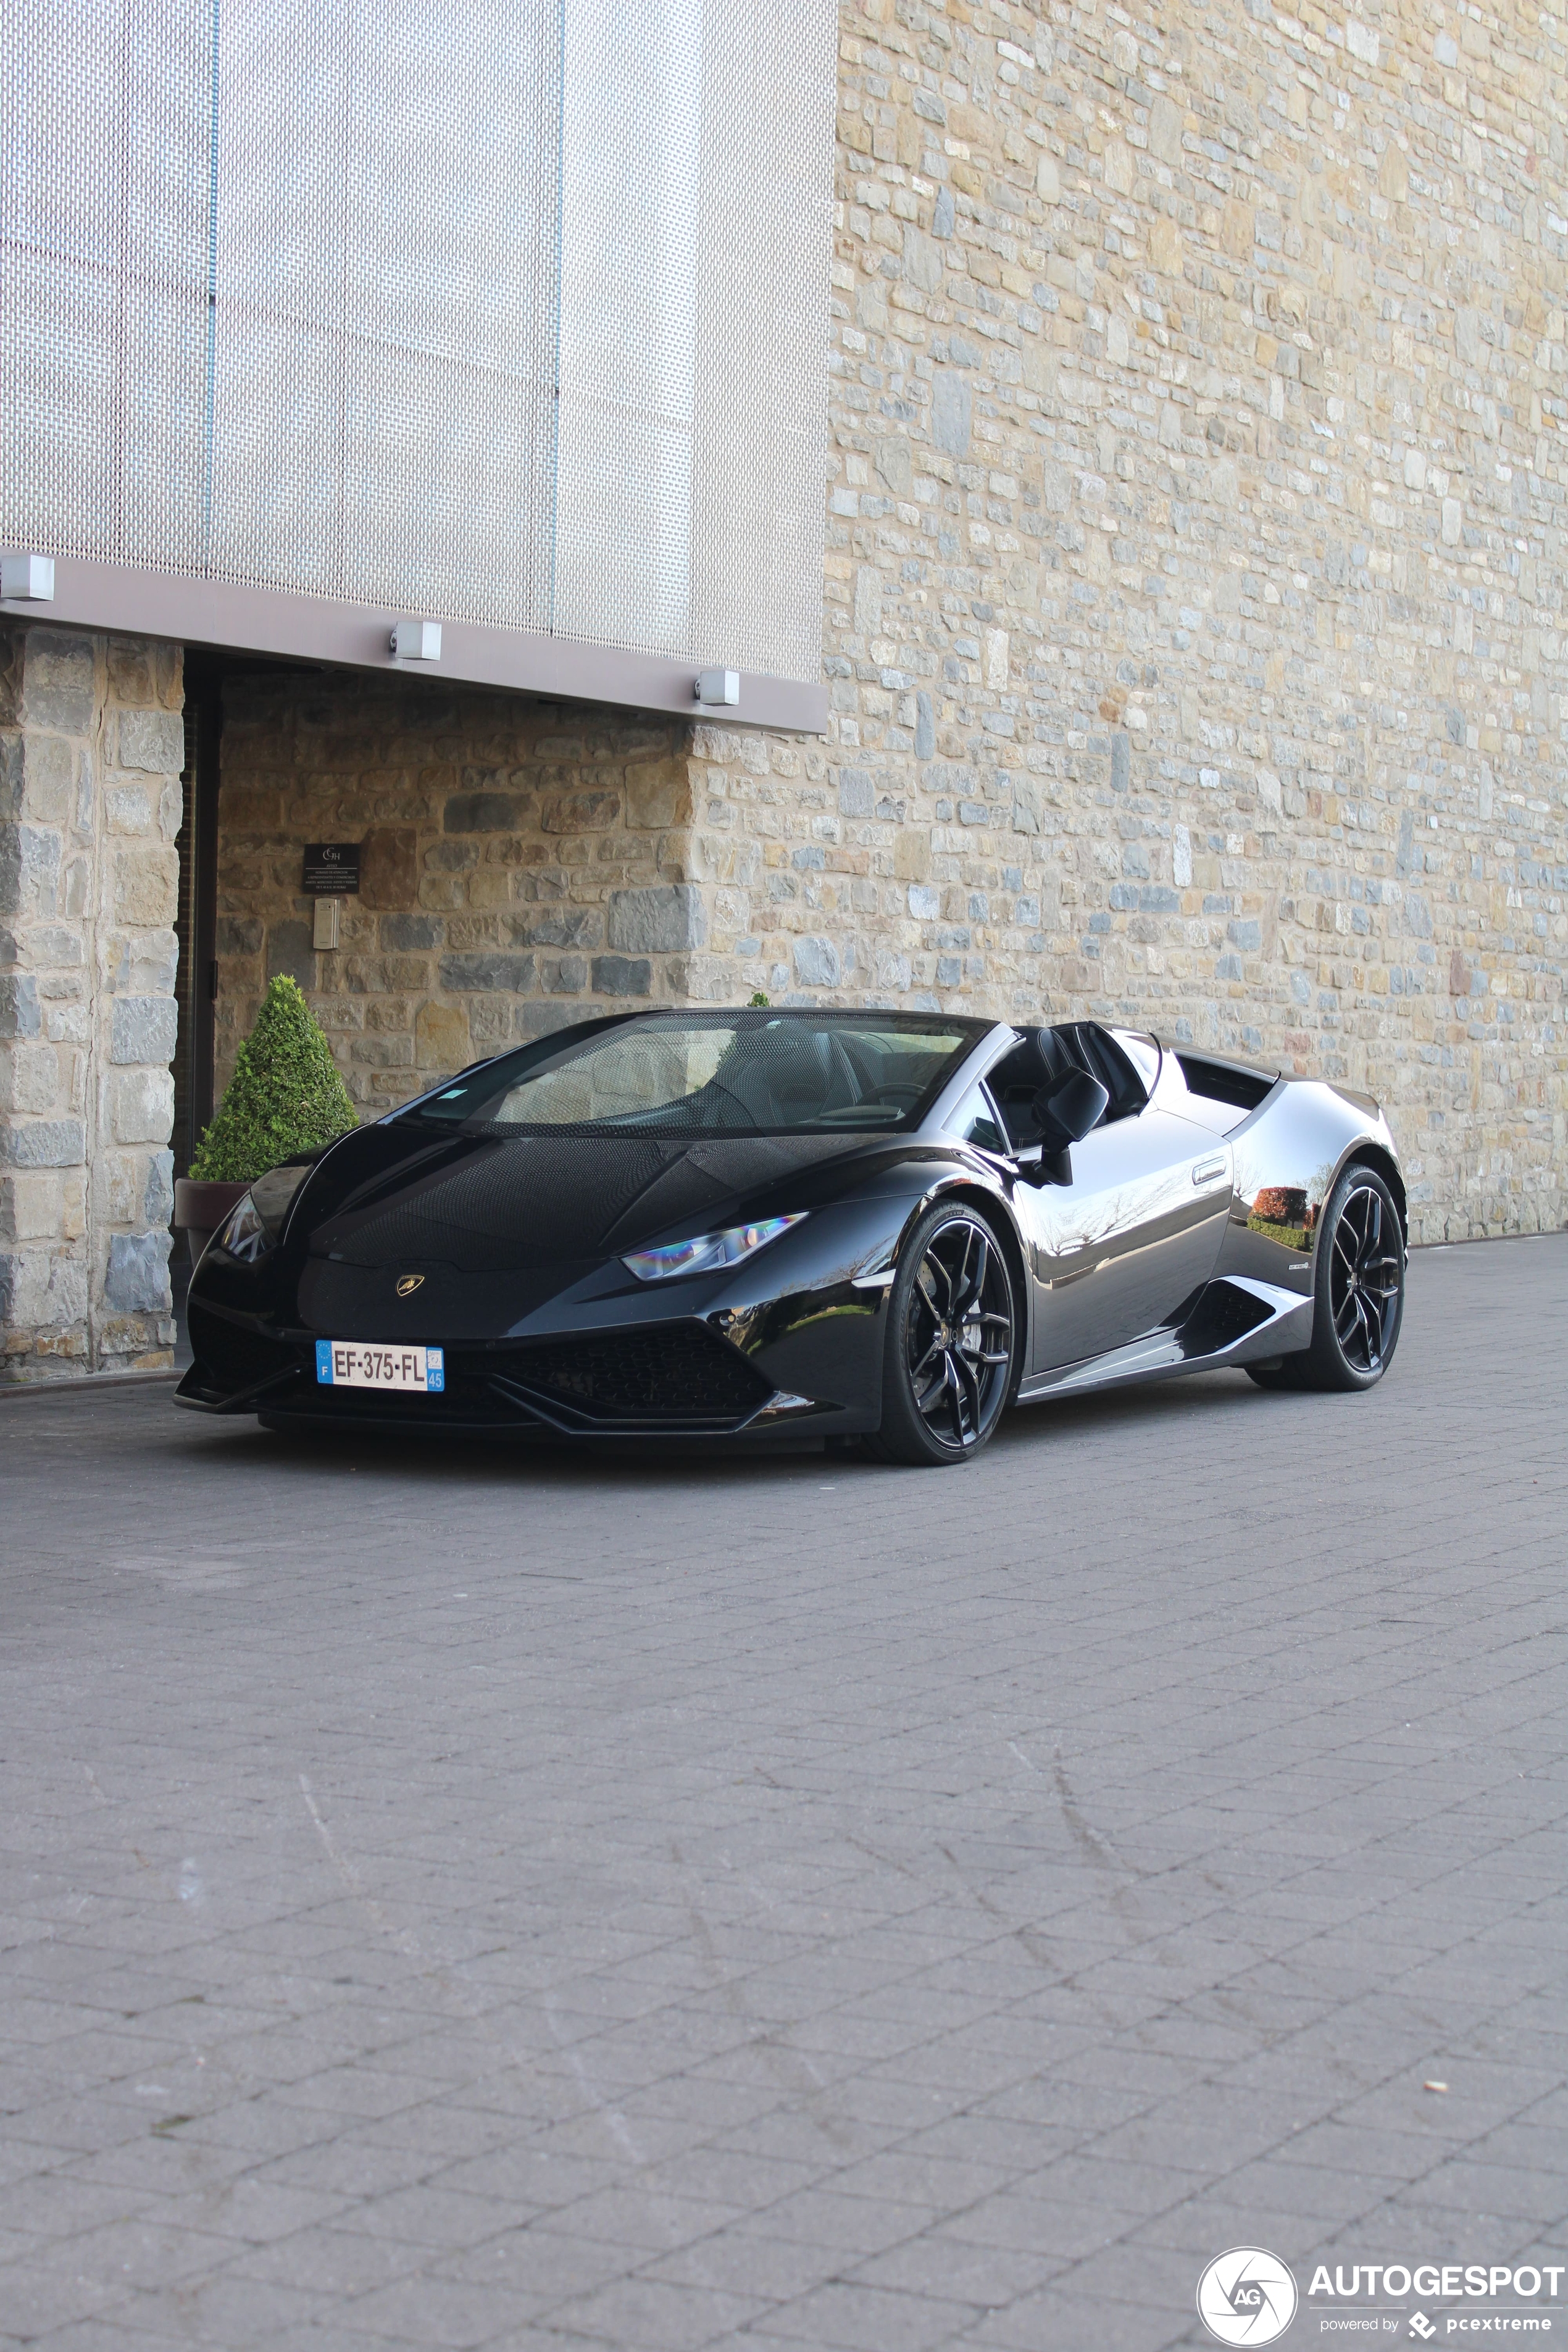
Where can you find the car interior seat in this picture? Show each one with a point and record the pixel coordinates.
(1045, 1057)
(1048, 1054)
(1103, 1058)
(784, 1076)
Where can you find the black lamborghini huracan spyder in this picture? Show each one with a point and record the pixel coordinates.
(876, 1226)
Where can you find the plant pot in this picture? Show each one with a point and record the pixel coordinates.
(201, 1208)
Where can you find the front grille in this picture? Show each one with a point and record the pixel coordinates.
(675, 1376)
(681, 1374)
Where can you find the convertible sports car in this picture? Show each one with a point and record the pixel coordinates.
(879, 1227)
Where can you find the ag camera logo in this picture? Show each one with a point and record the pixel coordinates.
(1247, 2296)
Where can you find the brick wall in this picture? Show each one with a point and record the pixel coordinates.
(91, 745)
(523, 866)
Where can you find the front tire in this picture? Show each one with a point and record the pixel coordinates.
(1358, 1291)
(952, 1341)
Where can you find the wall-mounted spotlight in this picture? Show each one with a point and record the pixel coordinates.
(416, 641)
(30, 579)
(717, 687)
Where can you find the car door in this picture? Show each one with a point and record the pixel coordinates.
(1118, 1249)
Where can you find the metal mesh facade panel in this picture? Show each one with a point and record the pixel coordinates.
(511, 311)
(384, 343)
(759, 464)
(103, 278)
(629, 201)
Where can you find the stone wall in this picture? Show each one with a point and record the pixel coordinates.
(1194, 625)
(91, 746)
(1194, 608)
(1196, 559)
(523, 866)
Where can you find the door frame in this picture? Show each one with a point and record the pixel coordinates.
(197, 985)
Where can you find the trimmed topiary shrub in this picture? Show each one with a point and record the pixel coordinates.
(285, 1096)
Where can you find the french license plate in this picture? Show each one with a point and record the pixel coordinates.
(350, 1364)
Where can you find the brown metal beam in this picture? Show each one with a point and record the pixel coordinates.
(224, 612)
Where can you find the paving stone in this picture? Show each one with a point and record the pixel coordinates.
(778, 2269)
(121, 2328)
(332, 2261)
(959, 2271)
(554, 1901)
(862, 2318)
(40, 2295)
(550, 2265)
(654, 2314)
(436, 2311)
(1078, 2319)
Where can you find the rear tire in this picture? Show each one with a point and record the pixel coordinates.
(952, 1343)
(1358, 1291)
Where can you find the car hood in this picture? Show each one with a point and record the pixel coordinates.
(527, 1204)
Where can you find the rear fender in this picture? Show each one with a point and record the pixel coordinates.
(1371, 1153)
(1288, 1158)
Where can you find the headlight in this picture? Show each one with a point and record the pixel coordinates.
(256, 1223)
(707, 1252)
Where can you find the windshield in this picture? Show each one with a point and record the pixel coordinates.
(715, 1074)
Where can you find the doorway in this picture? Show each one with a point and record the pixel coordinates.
(195, 918)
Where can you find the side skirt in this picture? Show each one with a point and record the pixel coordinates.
(1237, 1320)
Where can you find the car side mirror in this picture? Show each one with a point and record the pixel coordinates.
(1068, 1108)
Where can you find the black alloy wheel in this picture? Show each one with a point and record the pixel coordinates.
(952, 1326)
(1358, 1288)
(1366, 1275)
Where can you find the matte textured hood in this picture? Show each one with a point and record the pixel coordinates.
(532, 1202)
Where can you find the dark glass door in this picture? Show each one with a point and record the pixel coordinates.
(195, 919)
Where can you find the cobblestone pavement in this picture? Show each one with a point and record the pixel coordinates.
(561, 1903)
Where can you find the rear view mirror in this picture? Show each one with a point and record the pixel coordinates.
(1068, 1108)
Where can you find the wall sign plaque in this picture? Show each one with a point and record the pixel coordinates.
(331, 867)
